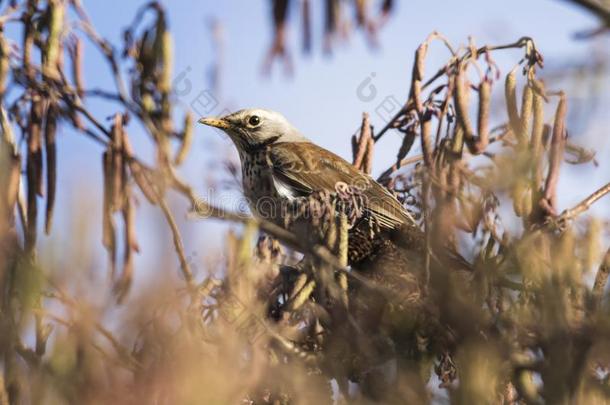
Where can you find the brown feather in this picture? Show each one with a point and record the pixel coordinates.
(306, 168)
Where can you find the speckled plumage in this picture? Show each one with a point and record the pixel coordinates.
(279, 165)
(305, 168)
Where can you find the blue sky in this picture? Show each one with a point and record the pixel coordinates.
(320, 98)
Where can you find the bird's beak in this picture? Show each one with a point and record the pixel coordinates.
(215, 122)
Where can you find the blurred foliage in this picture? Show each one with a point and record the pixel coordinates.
(599, 8)
(518, 323)
(340, 19)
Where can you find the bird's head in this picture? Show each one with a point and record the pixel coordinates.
(252, 128)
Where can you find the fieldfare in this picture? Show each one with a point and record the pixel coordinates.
(280, 166)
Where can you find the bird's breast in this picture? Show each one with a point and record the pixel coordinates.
(263, 197)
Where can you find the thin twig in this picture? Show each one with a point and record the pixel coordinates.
(178, 244)
(522, 42)
(585, 204)
(59, 295)
(392, 169)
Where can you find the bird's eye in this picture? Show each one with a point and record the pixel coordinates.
(254, 120)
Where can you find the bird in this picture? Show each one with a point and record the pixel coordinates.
(279, 165)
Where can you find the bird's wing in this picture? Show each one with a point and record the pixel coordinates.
(301, 168)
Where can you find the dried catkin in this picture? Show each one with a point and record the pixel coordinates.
(426, 140)
(51, 163)
(536, 139)
(108, 226)
(417, 77)
(483, 116)
(363, 141)
(76, 54)
(52, 48)
(510, 93)
(461, 97)
(556, 154)
(526, 113)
